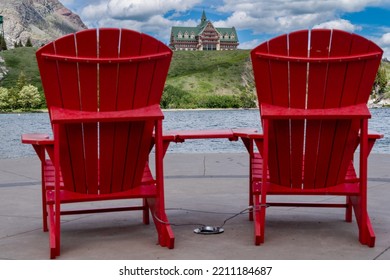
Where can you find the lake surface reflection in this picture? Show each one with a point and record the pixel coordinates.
(13, 125)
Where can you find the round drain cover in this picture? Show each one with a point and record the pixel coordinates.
(208, 230)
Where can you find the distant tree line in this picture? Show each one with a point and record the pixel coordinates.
(19, 43)
(22, 96)
(177, 98)
(3, 44)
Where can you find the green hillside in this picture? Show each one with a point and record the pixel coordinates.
(209, 79)
(21, 60)
(207, 72)
(218, 79)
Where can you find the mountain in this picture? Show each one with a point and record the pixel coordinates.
(41, 20)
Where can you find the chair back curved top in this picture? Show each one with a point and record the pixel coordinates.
(317, 69)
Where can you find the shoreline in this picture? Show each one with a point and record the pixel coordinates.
(370, 106)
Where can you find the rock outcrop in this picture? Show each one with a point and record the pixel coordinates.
(41, 20)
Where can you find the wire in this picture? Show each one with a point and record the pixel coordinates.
(244, 211)
(199, 211)
(247, 210)
(176, 225)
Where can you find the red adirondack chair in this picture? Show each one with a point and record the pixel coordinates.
(312, 88)
(103, 89)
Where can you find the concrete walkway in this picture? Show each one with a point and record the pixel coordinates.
(200, 189)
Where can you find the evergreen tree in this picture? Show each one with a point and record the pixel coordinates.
(21, 82)
(380, 82)
(3, 44)
(28, 43)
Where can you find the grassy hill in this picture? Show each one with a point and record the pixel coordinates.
(21, 60)
(209, 72)
(209, 79)
(195, 79)
(219, 79)
(196, 72)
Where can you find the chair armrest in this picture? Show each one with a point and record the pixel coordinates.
(60, 115)
(251, 133)
(37, 139)
(374, 135)
(182, 135)
(359, 111)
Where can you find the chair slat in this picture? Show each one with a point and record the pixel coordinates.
(73, 150)
(298, 43)
(334, 134)
(279, 148)
(88, 74)
(108, 82)
(319, 47)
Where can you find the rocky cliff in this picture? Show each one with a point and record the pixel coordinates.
(41, 20)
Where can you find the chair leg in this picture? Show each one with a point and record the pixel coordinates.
(166, 237)
(259, 220)
(366, 232)
(145, 211)
(250, 185)
(58, 231)
(52, 232)
(348, 210)
(251, 201)
(44, 209)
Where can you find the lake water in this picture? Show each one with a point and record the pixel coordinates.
(13, 125)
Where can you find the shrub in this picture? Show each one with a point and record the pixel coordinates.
(4, 105)
(174, 98)
(29, 97)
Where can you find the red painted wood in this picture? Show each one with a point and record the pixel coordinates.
(298, 42)
(319, 47)
(304, 60)
(127, 75)
(66, 116)
(88, 75)
(108, 82)
(72, 151)
(87, 59)
(279, 142)
(103, 88)
(349, 112)
(311, 135)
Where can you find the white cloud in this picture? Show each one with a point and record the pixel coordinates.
(94, 12)
(141, 15)
(385, 39)
(341, 24)
(136, 9)
(67, 2)
(384, 43)
(280, 16)
(248, 45)
(259, 16)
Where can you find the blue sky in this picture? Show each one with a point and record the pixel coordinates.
(254, 20)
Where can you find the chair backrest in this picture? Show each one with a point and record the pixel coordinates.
(314, 70)
(104, 70)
